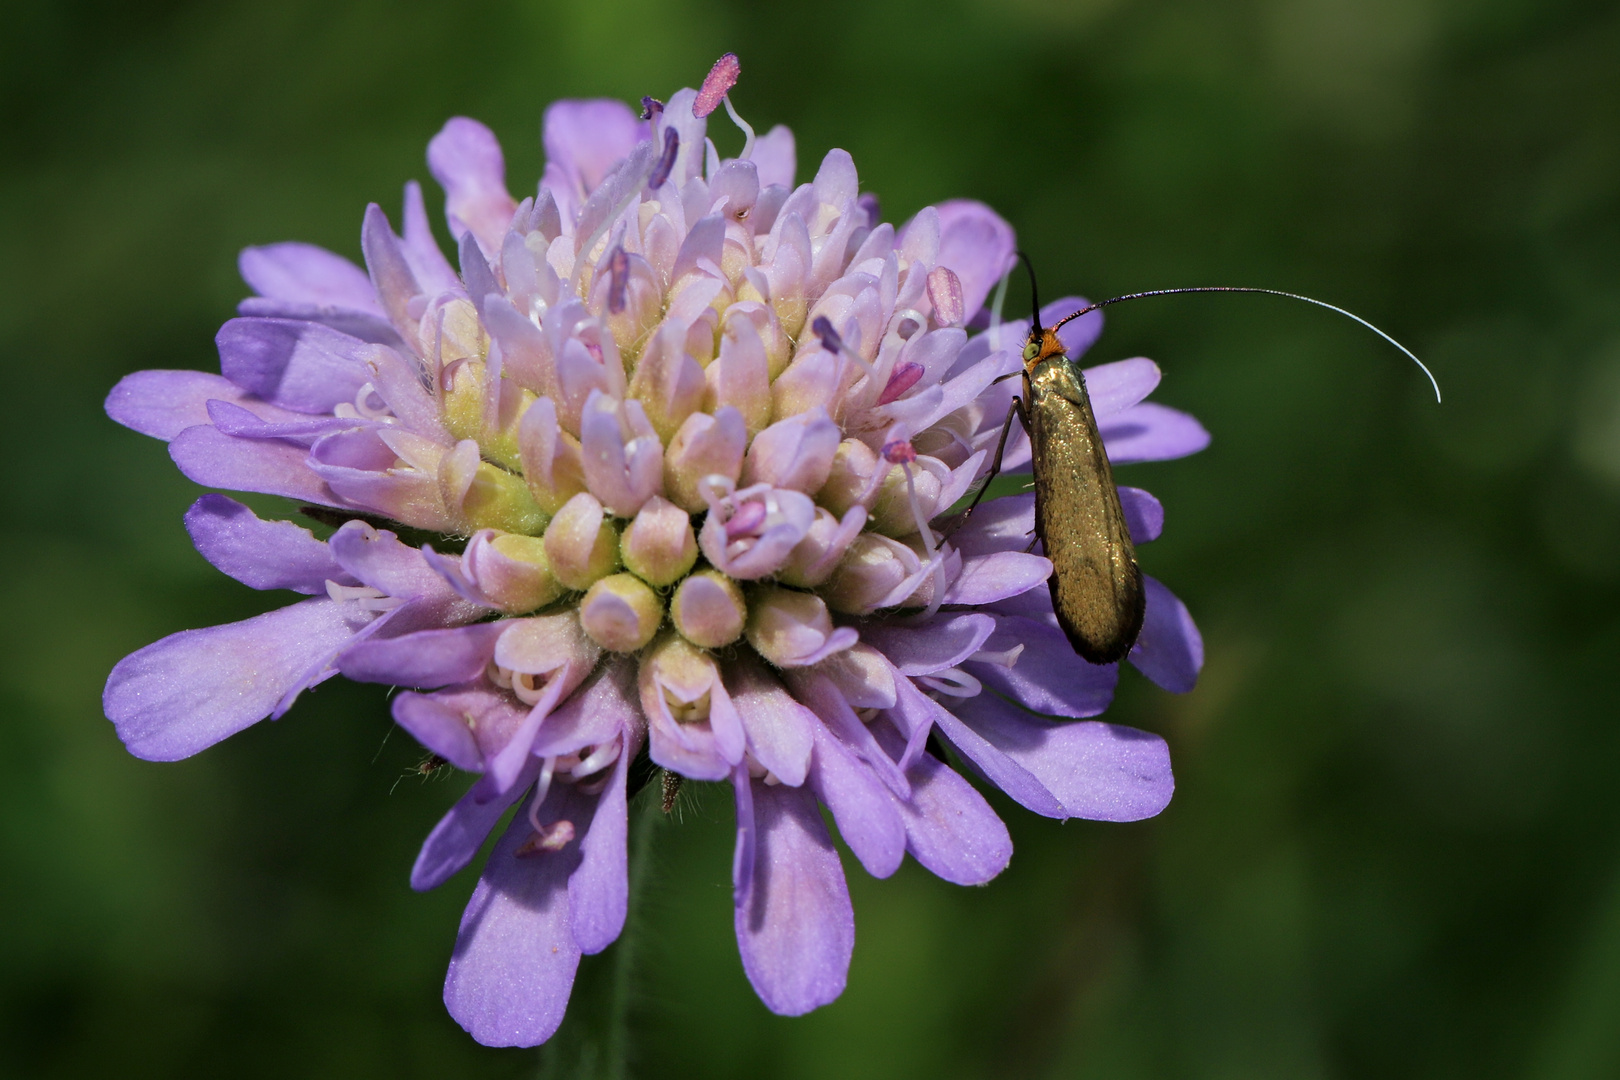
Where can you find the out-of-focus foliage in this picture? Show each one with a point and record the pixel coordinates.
(1395, 848)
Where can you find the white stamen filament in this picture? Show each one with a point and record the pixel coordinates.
(927, 535)
(748, 132)
(541, 788)
(599, 759)
(363, 406)
(995, 311)
(953, 682)
(1003, 658)
(368, 598)
(529, 687)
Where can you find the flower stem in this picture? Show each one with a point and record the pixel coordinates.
(594, 1040)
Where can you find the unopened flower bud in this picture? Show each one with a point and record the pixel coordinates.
(483, 496)
(511, 570)
(709, 610)
(659, 545)
(621, 613)
(580, 544)
(704, 446)
(892, 511)
(815, 557)
(850, 476)
(793, 629)
(871, 575)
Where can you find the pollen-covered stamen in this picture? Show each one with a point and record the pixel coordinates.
(822, 327)
(666, 162)
(368, 598)
(945, 293)
(902, 378)
(650, 108)
(618, 279)
(721, 78)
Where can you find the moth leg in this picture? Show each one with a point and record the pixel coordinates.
(1015, 409)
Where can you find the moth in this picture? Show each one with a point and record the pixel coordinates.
(1096, 584)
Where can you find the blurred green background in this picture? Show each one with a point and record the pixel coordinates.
(1395, 846)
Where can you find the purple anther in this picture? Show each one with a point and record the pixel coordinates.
(899, 452)
(721, 78)
(746, 521)
(945, 293)
(618, 279)
(650, 108)
(902, 378)
(869, 203)
(660, 173)
(822, 327)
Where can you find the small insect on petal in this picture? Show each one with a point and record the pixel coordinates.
(721, 78)
(618, 280)
(945, 293)
(822, 327)
(661, 171)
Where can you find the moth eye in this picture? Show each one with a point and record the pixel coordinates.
(1032, 350)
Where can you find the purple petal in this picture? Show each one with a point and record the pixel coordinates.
(1150, 432)
(780, 730)
(988, 578)
(302, 366)
(192, 689)
(461, 832)
(377, 558)
(950, 829)
(929, 645)
(1115, 387)
(439, 721)
(356, 324)
(599, 891)
(1144, 515)
(213, 459)
(306, 274)
(584, 140)
(1004, 524)
(261, 554)
(594, 714)
(775, 156)
(977, 244)
(795, 925)
(995, 766)
(1047, 676)
(1170, 651)
(162, 404)
(1104, 772)
(465, 158)
(515, 955)
(426, 658)
(860, 804)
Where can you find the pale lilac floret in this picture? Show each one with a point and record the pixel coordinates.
(687, 437)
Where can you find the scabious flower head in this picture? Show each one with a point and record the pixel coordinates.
(689, 434)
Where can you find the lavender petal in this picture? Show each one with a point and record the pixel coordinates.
(261, 554)
(1170, 651)
(192, 689)
(795, 925)
(515, 956)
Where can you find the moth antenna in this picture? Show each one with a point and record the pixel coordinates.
(1034, 295)
(1251, 289)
